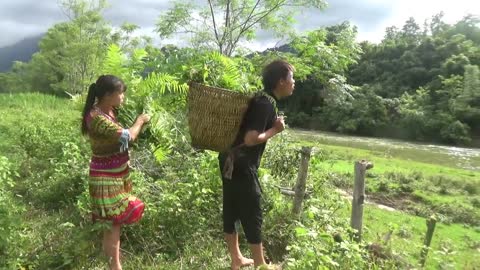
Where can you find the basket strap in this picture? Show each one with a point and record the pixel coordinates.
(227, 169)
(270, 98)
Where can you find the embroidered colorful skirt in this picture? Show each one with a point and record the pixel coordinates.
(110, 188)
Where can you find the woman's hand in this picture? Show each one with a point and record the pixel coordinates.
(143, 118)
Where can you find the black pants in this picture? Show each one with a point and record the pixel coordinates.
(242, 201)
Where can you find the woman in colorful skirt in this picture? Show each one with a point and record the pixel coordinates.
(109, 182)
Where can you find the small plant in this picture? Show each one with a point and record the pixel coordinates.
(404, 232)
(475, 201)
(445, 255)
(471, 188)
(282, 158)
(443, 189)
(383, 186)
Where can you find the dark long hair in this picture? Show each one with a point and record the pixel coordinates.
(105, 85)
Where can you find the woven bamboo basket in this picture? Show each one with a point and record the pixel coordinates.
(214, 116)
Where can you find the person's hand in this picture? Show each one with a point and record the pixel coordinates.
(279, 124)
(144, 118)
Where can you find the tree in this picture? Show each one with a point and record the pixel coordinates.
(223, 24)
(71, 52)
(322, 58)
(127, 42)
(391, 34)
(411, 31)
(437, 25)
(467, 104)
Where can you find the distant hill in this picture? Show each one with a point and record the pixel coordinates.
(285, 48)
(20, 51)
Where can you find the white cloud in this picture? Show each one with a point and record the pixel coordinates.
(23, 18)
(420, 10)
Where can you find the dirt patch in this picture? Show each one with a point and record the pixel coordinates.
(389, 203)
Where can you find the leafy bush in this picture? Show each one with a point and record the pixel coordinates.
(10, 222)
(55, 164)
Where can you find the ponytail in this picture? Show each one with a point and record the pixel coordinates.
(88, 106)
(105, 85)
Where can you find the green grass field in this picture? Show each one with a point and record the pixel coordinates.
(416, 179)
(409, 177)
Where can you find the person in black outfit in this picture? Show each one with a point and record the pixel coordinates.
(239, 166)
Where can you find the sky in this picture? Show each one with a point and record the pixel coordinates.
(21, 19)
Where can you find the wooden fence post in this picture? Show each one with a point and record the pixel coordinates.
(300, 186)
(359, 197)
(428, 239)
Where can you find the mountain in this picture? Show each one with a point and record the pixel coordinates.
(20, 51)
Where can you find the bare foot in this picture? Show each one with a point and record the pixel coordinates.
(240, 263)
(115, 267)
(269, 267)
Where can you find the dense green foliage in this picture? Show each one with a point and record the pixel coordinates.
(417, 85)
(45, 221)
